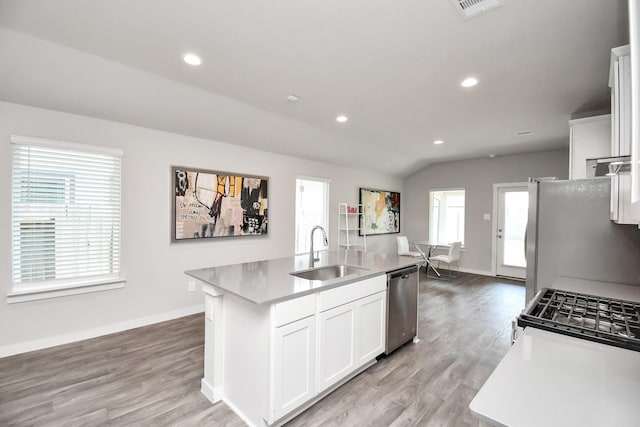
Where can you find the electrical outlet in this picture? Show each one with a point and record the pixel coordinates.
(192, 286)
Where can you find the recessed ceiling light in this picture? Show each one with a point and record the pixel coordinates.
(492, 156)
(293, 98)
(192, 59)
(341, 119)
(469, 82)
(438, 142)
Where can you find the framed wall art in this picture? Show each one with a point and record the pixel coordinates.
(381, 212)
(209, 204)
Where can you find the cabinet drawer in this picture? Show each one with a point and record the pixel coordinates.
(294, 309)
(351, 292)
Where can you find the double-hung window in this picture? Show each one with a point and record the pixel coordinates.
(65, 218)
(312, 208)
(446, 216)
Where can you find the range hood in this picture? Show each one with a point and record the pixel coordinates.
(608, 166)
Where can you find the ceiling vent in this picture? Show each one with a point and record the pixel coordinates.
(471, 8)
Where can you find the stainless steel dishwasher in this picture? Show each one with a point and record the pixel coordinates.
(402, 307)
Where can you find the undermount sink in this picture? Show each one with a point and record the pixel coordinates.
(329, 272)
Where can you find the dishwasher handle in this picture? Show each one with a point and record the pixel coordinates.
(403, 273)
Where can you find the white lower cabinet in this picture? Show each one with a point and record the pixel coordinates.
(294, 373)
(337, 347)
(371, 327)
(319, 340)
(351, 334)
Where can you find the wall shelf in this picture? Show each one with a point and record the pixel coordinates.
(349, 220)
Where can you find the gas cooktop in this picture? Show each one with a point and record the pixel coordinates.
(606, 320)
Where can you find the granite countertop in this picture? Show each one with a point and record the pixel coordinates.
(550, 379)
(269, 281)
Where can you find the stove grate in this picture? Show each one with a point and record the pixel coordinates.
(607, 320)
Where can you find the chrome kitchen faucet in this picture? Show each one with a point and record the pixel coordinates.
(312, 258)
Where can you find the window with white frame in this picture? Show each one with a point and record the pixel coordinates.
(446, 216)
(65, 214)
(312, 208)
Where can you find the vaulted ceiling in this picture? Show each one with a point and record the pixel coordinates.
(393, 67)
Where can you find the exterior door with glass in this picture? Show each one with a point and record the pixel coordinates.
(512, 210)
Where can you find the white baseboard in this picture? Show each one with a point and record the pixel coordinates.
(39, 344)
(238, 412)
(212, 393)
(478, 272)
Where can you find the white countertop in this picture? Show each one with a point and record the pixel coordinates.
(548, 379)
(269, 281)
(592, 287)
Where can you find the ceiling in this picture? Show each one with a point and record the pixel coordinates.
(393, 67)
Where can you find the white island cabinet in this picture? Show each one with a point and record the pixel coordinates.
(351, 324)
(294, 355)
(270, 362)
(276, 343)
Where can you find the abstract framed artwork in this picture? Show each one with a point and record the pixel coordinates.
(381, 212)
(210, 204)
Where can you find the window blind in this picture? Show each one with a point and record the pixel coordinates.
(312, 208)
(65, 211)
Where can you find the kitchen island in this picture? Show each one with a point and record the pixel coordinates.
(276, 343)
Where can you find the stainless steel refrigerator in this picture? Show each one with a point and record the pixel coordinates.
(572, 243)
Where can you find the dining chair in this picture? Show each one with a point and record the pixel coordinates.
(452, 257)
(403, 247)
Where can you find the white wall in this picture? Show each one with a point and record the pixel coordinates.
(156, 287)
(477, 178)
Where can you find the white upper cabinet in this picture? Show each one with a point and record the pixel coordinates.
(590, 137)
(620, 84)
(634, 55)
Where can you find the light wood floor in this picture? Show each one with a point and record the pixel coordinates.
(151, 375)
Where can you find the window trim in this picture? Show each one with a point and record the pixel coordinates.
(429, 207)
(38, 290)
(56, 143)
(328, 200)
(65, 288)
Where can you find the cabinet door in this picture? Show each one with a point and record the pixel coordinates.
(370, 329)
(336, 348)
(294, 365)
(621, 200)
(589, 138)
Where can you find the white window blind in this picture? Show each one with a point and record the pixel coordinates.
(312, 208)
(65, 213)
